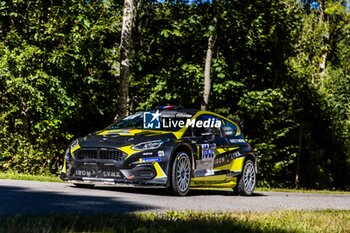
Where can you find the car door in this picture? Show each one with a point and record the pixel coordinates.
(226, 154)
(210, 142)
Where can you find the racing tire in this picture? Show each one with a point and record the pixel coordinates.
(247, 180)
(181, 174)
(85, 186)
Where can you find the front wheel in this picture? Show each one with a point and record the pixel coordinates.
(181, 174)
(246, 182)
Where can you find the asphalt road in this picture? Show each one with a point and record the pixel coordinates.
(30, 197)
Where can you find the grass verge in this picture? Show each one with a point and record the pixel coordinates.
(171, 222)
(261, 189)
(321, 191)
(20, 176)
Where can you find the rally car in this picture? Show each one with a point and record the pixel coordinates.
(168, 147)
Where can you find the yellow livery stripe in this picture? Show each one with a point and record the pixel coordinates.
(159, 170)
(74, 148)
(237, 165)
(64, 169)
(226, 149)
(128, 150)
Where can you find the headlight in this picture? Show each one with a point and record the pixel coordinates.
(74, 144)
(148, 145)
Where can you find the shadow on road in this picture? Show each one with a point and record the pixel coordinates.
(25, 210)
(15, 200)
(167, 192)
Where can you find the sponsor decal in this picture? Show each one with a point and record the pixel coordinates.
(161, 153)
(204, 164)
(168, 114)
(226, 158)
(204, 167)
(147, 153)
(110, 174)
(85, 173)
(201, 173)
(100, 173)
(183, 115)
(237, 140)
(150, 160)
(173, 114)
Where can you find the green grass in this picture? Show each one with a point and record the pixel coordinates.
(321, 191)
(171, 222)
(262, 189)
(20, 176)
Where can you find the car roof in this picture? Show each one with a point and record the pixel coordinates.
(178, 109)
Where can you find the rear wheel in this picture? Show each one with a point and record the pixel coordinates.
(246, 182)
(181, 174)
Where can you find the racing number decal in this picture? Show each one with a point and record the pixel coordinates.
(208, 151)
(205, 165)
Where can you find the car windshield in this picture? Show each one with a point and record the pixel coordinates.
(166, 120)
(134, 121)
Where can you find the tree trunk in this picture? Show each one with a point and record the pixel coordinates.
(123, 101)
(297, 181)
(322, 63)
(207, 67)
(323, 21)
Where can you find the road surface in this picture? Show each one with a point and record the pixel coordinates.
(41, 198)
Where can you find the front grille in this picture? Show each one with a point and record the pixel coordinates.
(99, 153)
(111, 154)
(87, 154)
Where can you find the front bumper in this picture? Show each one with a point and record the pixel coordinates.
(115, 173)
(106, 181)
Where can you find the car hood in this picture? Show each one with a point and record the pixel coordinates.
(120, 138)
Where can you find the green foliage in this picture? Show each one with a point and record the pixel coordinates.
(59, 71)
(324, 114)
(169, 55)
(54, 65)
(272, 130)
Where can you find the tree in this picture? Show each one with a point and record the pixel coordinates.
(321, 79)
(207, 66)
(55, 80)
(124, 100)
(282, 64)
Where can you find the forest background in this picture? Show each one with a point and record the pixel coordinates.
(283, 66)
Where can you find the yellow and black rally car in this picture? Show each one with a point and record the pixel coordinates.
(169, 147)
